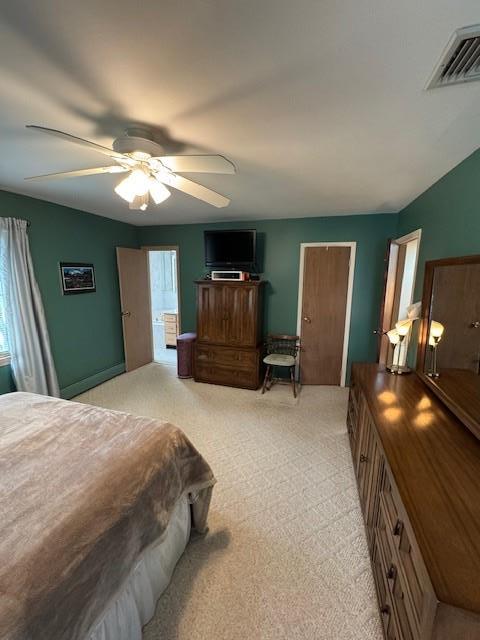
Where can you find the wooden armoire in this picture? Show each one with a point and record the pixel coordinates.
(229, 332)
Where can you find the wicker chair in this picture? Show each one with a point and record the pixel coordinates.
(281, 352)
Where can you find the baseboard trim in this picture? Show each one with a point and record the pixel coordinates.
(92, 381)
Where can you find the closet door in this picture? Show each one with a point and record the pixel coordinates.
(324, 304)
(241, 315)
(211, 315)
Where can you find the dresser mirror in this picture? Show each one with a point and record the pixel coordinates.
(449, 341)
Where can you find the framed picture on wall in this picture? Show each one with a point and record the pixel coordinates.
(77, 277)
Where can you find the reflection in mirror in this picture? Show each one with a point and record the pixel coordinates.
(448, 357)
(455, 303)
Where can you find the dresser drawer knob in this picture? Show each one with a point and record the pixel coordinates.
(397, 529)
(392, 572)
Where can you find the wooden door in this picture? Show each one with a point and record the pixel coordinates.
(324, 304)
(135, 304)
(211, 314)
(241, 315)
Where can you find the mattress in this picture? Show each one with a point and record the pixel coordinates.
(84, 493)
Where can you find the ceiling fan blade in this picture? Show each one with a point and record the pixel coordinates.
(84, 143)
(197, 164)
(80, 172)
(194, 189)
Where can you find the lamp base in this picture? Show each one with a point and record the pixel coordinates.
(398, 370)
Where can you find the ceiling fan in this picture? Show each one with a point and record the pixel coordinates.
(150, 172)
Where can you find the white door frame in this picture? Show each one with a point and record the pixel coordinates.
(391, 287)
(168, 247)
(348, 312)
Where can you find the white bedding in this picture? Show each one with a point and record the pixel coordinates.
(134, 604)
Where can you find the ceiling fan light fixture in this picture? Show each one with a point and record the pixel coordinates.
(136, 184)
(124, 190)
(158, 191)
(139, 203)
(141, 155)
(140, 181)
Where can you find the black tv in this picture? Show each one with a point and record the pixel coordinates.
(230, 249)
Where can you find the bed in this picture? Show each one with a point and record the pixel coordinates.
(96, 507)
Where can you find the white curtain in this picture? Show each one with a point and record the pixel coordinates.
(27, 335)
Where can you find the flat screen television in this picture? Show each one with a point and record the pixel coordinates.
(230, 249)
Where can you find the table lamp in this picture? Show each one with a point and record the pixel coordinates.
(397, 337)
(394, 339)
(435, 335)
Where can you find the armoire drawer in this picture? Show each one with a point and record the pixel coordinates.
(230, 376)
(224, 356)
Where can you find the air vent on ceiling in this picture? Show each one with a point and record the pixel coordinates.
(460, 61)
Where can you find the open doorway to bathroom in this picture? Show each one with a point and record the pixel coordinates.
(400, 273)
(164, 296)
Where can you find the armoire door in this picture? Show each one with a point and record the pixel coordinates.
(241, 315)
(211, 315)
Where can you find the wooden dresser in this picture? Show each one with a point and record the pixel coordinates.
(418, 475)
(171, 329)
(229, 333)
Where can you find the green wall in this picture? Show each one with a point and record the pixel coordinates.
(448, 214)
(85, 329)
(279, 249)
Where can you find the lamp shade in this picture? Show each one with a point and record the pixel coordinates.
(136, 184)
(436, 329)
(414, 311)
(393, 336)
(403, 327)
(158, 191)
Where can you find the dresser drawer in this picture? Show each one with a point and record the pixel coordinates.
(391, 592)
(392, 517)
(405, 583)
(410, 566)
(401, 606)
(389, 622)
(224, 356)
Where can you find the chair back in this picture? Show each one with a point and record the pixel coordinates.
(282, 344)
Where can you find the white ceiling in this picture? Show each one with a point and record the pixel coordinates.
(319, 103)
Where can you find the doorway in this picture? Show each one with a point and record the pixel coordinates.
(164, 300)
(324, 309)
(400, 272)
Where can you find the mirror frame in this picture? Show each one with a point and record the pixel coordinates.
(471, 419)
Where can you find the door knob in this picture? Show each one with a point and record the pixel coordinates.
(126, 314)
(307, 319)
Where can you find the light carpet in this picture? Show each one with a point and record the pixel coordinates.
(286, 555)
